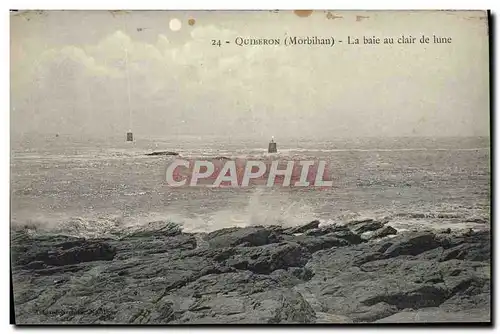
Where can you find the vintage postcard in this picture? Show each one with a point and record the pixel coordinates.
(250, 167)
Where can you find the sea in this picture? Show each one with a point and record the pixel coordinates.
(102, 187)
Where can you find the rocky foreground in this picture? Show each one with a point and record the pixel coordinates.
(363, 271)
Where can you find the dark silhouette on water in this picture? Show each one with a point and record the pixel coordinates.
(163, 153)
(130, 136)
(272, 147)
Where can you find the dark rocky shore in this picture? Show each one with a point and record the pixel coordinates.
(363, 271)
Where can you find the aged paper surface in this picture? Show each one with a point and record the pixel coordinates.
(215, 167)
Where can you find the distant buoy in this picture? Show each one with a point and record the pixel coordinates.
(130, 136)
(272, 146)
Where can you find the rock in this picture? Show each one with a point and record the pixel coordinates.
(36, 265)
(413, 245)
(237, 283)
(285, 278)
(292, 308)
(155, 229)
(367, 226)
(243, 297)
(341, 232)
(265, 259)
(467, 251)
(84, 253)
(223, 231)
(328, 318)
(303, 274)
(280, 306)
(368, 257)
(356, 222)
(383, 232)
(424, 296)
(248, 236)
(157, 274)
(301, 229)
(141, 245)
(365, 285)
(25, 248)
(482, 236)
(373, 312)
(433, 254)
(314, 244)
(72, 252)
(326, 230)
(382, 247)
(434, 315)
(347, 235)
(466, 301)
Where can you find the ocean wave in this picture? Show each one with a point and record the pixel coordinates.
(380, 149)
(249, 154)
(262, 209)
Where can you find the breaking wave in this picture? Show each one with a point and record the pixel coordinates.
(265, 207)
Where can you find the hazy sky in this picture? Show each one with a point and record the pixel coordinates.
(69, 74)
